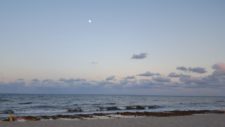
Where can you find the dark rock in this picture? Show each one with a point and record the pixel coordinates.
(85, 116)
(99, 114)
(31, 118)
(171, 113)
(153, 107)
(46, 117)
(140, 107)
(80, 116)
(112, 108)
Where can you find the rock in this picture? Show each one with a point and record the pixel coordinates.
(153, 107)
(99, 114)
(46, 117)
(171, 113)
(140, 107)
(112, 108)
(31, 118)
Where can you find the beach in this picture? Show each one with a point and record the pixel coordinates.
(198, 120)
(112, 63)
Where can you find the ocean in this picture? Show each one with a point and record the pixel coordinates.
(39, 104)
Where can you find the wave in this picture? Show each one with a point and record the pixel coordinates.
(132, 107)
(141, 107)
(44, 107)
(7, 112)
(220, 101)
(71, 110)
(110, 103)
(25, 103)
(113, 108)
(96, 104)
(4, 100)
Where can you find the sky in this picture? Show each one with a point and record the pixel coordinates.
(116, 47)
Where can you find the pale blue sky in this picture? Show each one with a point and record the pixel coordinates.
(52, 39)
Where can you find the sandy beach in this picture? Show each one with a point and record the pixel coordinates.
(198, 120)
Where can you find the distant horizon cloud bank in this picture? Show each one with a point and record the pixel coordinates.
(149, 81)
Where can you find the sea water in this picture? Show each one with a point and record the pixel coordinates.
(42, 104)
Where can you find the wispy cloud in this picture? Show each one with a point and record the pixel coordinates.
(139, 56)
(129, 77)
(113, 77)
(174, 75)
(161, 79)
(199, 70)
(182, 68)
(148, 73)
(219, 67)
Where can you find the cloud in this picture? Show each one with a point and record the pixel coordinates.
(219, 67)
(174, 75)
(214, 81)
(219, 72)
(71, 80)
(129, 77)
(110, 78)
(185, 79)
(148, 74)
(161, 79)
(199, 70)
(139, 56)
(182, 68)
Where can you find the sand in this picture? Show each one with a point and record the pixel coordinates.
(197, 120)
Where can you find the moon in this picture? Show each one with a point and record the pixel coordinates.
(89, 21)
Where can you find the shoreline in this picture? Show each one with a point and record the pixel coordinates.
(202, 120)
(113, 115)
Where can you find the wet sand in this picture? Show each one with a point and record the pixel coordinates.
(196, 120)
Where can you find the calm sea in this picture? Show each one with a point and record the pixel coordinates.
(34, 104)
